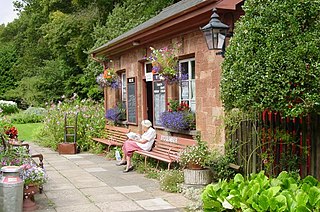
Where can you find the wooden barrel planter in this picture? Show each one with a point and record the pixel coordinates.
(197, 176)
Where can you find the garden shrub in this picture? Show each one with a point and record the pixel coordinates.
(272, 61)
(8, 107)
(170, 179)
(287, 192)
(31, 115)
(91, 122)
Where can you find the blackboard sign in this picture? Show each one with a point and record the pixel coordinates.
(159, 96)
(132, 100)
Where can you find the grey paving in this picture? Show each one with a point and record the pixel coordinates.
(89, 183)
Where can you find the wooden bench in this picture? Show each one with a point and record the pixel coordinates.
(115, 136)
(167, 149)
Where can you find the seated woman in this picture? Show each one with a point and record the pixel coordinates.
(131, 145)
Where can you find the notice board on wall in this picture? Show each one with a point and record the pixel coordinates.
(132, 100)
(159, 96)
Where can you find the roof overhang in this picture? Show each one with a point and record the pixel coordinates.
(174, 25)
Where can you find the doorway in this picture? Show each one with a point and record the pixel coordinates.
(149, 102)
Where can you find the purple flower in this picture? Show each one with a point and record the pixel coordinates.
(116, 113)
(176, 120)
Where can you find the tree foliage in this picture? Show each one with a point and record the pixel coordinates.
(43, 52)
(273, 60)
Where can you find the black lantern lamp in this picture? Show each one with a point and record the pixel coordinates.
(215, 32)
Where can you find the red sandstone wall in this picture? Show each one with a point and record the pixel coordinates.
(208, 73)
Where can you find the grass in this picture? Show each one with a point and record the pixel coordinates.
(28, 132)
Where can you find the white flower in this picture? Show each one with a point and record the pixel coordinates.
(227, 205)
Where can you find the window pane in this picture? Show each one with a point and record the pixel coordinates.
(193, 90)
(148, 68)
(124, 87)
(184, 90)
(184, 68)
(193, 70)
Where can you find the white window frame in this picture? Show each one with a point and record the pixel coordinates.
(124, 87)
(189, 81)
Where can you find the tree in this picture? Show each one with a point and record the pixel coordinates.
(273, 60)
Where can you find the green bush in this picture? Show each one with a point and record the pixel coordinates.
(31, 115)
(170, 179)
(91, 122)
(273, 58)
(8, 107)
(260, 193)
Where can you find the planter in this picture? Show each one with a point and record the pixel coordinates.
(194, 166)
(28, 198)
(184, 132)
(67, 148)
(197, 177)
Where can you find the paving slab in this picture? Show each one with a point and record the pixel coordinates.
(155, 204)
(89, 182)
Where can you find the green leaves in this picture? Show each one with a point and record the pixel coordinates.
(259, 193)
(272, 60)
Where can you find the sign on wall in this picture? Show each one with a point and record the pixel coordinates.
(159, 96)
(132, 100)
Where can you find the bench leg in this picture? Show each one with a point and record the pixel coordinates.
(157, 164)
(169, 165)
(145, 161)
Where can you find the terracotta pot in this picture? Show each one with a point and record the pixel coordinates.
(28, 197)
(194, 166)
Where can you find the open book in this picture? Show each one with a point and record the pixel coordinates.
(134, 136)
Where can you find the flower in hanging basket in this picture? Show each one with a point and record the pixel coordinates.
(108, 78)
(165, 63)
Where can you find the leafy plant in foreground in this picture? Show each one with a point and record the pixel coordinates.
(286, 193)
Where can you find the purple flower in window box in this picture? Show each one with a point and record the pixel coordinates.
(178, 117)
(117, 113)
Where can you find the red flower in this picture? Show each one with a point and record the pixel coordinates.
(11, 132)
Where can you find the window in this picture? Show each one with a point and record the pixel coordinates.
(187, 89)
(123, 88)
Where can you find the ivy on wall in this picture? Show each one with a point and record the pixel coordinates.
(273, 60)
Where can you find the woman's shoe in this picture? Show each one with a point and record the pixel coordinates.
(128, 169)
(121, 163)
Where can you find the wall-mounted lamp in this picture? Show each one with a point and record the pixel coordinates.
(215, 33)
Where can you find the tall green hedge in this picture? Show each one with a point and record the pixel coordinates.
(273, 58)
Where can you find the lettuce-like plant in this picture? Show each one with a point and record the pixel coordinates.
(260, 193)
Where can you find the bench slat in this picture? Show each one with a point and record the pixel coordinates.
(115, 136)
(167, 148)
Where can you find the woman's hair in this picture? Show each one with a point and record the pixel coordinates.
(146, 123)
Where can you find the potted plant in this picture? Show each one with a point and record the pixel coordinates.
(32, 174)
(194, 159)
(179, 116)
(165, 63)
(34, 177)
(108, 78)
